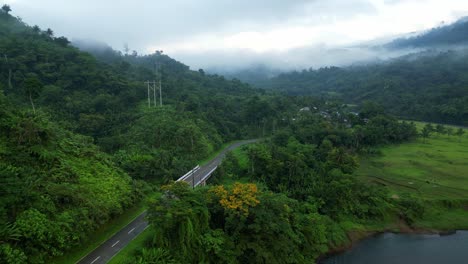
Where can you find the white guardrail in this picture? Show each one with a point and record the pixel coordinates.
(192, 171)
(206, 176)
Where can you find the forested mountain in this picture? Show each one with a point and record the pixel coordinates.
(255, 74)
(61, 109)
(455, 34)
(430, 86)
(56, 187)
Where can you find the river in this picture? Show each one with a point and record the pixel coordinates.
(389, 248)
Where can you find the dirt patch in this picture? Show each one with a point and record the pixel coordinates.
(404, 227)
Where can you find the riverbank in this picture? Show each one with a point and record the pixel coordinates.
(437, 218)
(390, 248)
(427, 182)
(354, 237)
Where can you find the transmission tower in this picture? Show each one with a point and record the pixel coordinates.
(151, 85)
(154, 85)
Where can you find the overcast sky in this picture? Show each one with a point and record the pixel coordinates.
(206, 33)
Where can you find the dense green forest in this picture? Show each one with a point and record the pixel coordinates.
(56, 187)
(298, 191)
(430, 86)
(79, 145)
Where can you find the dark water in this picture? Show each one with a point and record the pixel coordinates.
(391, 248)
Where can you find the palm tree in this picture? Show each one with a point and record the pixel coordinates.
(49, 32)
(36, 29)
(426, 132)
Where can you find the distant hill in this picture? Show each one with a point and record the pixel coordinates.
(430, 86)
(255, 74)
(448, 35)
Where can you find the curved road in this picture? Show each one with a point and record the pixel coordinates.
(110, 248)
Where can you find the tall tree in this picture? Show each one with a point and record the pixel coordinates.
(32, 86)
(49, 32)
(6, 8)
(36, 29)
(426, 132)
(440, 129)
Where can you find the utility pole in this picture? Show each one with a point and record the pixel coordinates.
(151, 85)
(154, 92)
(149, 99)
(160, 93)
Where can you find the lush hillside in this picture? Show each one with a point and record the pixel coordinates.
(105, 97)
(431, 86)
(61, 108)
(56, 187)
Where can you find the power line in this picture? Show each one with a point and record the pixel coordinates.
(154, 85)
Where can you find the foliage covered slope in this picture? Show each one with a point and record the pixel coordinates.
(56, 187)
(57, 102)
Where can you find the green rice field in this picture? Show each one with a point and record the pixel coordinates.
(433, 169)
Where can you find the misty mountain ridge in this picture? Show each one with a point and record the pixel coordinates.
(444, 36)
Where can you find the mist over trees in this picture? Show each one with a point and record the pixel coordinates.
(429, 86)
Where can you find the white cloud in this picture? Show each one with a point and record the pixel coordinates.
(189, 29)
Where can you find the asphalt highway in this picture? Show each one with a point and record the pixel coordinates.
(103, 253)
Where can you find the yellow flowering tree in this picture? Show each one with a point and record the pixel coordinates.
(237, 199)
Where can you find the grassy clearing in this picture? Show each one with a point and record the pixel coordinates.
(101, 235)
(442, 218)
(435, 170)
(241, 156)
